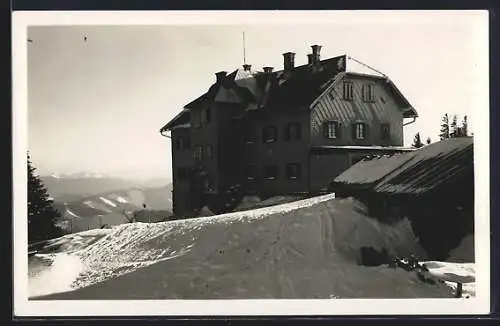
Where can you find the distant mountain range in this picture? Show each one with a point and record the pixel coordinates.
(77, 186)
(90, 201)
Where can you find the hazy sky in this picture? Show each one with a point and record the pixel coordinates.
(99, 105)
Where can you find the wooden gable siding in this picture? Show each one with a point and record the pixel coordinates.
(348, 112)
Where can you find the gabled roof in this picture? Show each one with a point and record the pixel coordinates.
(414, 172)
(297, 88)
(303, 84)
(181, 118)
(403, 103)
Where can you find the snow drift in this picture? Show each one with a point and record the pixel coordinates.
(303, 249)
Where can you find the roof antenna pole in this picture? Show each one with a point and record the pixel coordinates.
(244, 50)
(367, 66)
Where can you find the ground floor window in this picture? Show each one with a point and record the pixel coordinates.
(251, 172)
(270, 171)
(293, 171)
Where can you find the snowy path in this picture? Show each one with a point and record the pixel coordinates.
(303, 249)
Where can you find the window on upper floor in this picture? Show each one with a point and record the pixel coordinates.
(293, 132)
(182, 143)
(178, 143)
(198, 153)
(359, 130)
(369, 92)
(270, 171)
(385, 131)
(293, 171)
(269, 134)
(209, 151)
(186, 142)
(196, 118)
(205, 115)
(250, 136)
(331, 129)
(251, 172)
(348, 90)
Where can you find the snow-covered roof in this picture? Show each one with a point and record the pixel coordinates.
(184, 125)
(364, 148)
(412, 172)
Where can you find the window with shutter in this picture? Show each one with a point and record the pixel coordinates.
(332, 130)
(369, 92)
(359, 130)
(348, 92)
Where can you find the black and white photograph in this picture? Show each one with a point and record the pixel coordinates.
(251, 163)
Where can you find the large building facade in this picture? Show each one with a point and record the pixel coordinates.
(281, 132)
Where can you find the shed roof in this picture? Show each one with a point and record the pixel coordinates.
(414, 172)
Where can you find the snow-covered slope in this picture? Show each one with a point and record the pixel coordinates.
(304, 249)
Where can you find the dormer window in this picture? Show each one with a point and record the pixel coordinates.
(348, 93)
(269, 134)
(369, 92)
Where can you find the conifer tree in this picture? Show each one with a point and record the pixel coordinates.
(417, 142)
(445, 128)
(41, 214)
(454, 129)
(464, 129)
(428, 141)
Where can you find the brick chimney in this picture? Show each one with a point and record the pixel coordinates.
(288, 61)
(310, 59)
(247, 67)
(220, 76)
(316, 53)
(268, 70)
